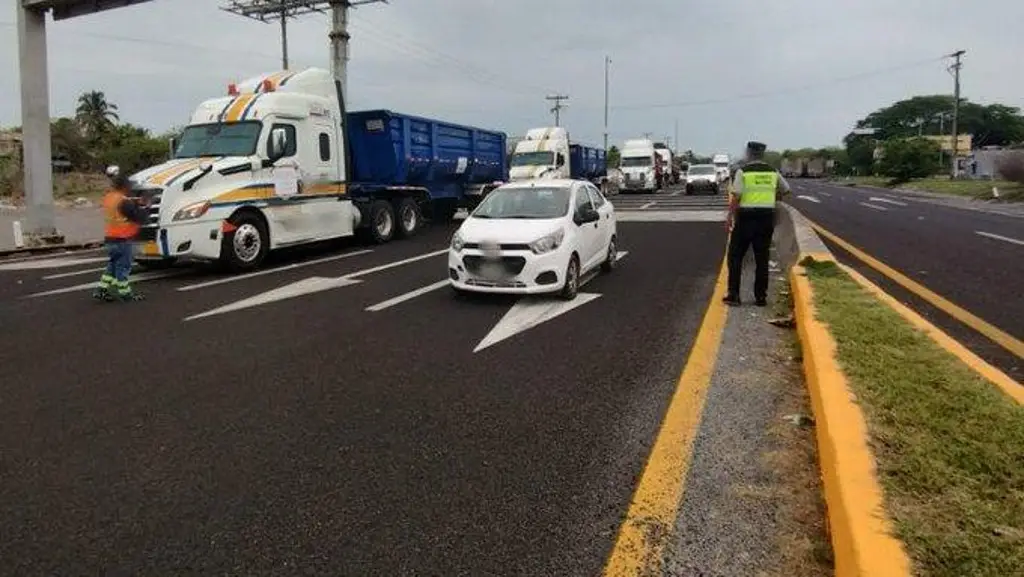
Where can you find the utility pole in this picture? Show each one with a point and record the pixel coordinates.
(607, 63)
(956, 109)
(557, 108)
(270, 10)
(647, 135)
(675, 138)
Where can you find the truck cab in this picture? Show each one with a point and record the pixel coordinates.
(639, 165)
(721, 162)
(544, 153)
(667, 164)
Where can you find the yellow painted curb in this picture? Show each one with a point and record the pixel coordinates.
(1000, 379)
(862, 536)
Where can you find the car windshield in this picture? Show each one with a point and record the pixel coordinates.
(702, 169)
(524, 202)
(541, 158)
(636, 161)
(219, 139)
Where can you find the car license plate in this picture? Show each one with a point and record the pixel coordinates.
(492, 270)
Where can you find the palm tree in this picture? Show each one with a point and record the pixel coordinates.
(94, 113)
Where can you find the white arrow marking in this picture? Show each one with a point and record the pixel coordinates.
(309, 286)
(272, 270)
(134, 279)
(49, 263)
(873, 206)
(886, 200)
(1000, 237)
(303, 287)
(528, 313)
(407, 296)
(810, 198)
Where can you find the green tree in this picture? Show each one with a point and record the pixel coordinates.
(95, 114)
(931, 115)
(613, 156)
(904, 159)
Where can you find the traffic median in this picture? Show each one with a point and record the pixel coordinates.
(919, 441)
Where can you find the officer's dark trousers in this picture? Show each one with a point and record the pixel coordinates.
(752, 227)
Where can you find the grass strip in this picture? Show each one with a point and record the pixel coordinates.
(981, 189)
(949, 445)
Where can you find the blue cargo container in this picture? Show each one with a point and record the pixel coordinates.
(454, 163)
(587, 162)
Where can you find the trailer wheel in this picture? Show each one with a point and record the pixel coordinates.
(245, 248)
(382, 221)
(408, 213)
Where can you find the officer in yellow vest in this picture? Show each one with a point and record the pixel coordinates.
(755, 188)
(123, 218)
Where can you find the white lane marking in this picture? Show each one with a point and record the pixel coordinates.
(135, 278)
(49, 263)
(407, 296)
(74, 273)
(873, 206)
(886, 200)
(823, 193)
(671, 216)
(292, 266)
(648, 205)
(810, 198)
(1000, 237)
(309, 286)
(675, 193)
(529, 312)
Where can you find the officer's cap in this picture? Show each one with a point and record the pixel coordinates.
(756, 147)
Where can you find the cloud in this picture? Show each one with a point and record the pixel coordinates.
(491, 63)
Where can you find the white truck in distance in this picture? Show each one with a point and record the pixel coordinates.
(638, 163)
(550, 154)
(261, 168)
(721, 162)
(668, 174)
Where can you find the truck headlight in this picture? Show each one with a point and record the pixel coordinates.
(457, 242)
(548, 242)
(192, 211)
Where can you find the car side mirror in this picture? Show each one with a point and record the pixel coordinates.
(278, 145)
(587, 215)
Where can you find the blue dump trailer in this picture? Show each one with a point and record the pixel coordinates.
(587, 162)
(456, 165)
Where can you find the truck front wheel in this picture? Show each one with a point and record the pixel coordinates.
(245, 247)
(382, 221)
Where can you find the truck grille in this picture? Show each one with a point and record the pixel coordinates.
(149, 230)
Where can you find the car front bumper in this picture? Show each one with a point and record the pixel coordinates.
(184, 240)
(517, 271)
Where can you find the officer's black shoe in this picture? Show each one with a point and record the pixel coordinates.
(761, 302)
(732, 300)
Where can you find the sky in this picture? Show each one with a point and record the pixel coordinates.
(790, 73)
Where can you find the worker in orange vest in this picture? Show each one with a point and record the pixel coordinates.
(123, 218)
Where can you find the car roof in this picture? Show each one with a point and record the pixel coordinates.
(552, 183)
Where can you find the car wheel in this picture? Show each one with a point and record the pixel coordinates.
(572, 280)
(245, 248)
(609, 260)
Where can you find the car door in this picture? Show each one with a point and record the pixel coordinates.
(588, 233)
(605, 211)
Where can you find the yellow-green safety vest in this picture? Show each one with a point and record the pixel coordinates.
(759, 189)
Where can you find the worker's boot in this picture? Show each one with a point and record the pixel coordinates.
(732, 300)
(101, 293)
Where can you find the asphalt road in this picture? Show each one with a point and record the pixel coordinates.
(973, 258)
(310, 435)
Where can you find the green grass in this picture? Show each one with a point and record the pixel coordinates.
(1008, 191)
(949, 445)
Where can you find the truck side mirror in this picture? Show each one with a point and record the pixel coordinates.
(560, 161)
(278, 145)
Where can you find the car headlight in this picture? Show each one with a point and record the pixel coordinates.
(192, 211)
(457, 242)
(548, 243)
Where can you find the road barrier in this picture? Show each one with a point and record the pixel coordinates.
(861, 533)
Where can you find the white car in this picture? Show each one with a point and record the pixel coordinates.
(534, 237)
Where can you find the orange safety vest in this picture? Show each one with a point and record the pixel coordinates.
(117, 225)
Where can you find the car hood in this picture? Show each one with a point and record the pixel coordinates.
(507, 230)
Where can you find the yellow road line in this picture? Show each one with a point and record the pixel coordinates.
(973, 321)
(652, 514)
(1009, 386)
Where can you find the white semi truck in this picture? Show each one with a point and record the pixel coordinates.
(721, 162)
(639, 163)
(549, 153)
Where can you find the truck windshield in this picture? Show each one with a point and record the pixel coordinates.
(219, 139)
(541, 158)
(636, 161)
(532, 202)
